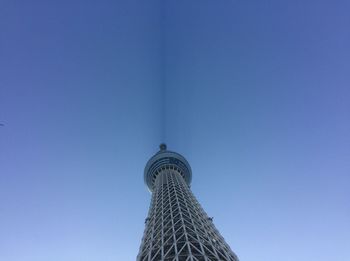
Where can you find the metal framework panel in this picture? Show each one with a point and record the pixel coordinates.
(177, 227)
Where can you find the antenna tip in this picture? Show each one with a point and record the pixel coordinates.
(162, 146)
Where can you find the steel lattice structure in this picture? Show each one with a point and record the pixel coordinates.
(177, 227)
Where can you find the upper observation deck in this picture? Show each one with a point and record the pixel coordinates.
(165, 159)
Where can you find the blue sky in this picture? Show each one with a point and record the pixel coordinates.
(255, 94)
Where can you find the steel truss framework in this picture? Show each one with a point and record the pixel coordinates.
(177, 228)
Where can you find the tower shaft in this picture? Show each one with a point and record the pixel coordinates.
(177, 227)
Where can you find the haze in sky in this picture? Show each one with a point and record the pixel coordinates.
(255, 94)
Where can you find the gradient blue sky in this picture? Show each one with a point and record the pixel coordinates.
(255, 94)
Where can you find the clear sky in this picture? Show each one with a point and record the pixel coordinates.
(255, 94)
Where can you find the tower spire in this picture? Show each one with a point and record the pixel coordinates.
(162, 146)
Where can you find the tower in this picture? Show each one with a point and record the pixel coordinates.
(177, 228)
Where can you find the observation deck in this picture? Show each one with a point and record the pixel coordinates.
(166, 160)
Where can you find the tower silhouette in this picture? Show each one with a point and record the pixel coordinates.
(177, 227)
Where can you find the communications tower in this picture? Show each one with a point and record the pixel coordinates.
(177, 227)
